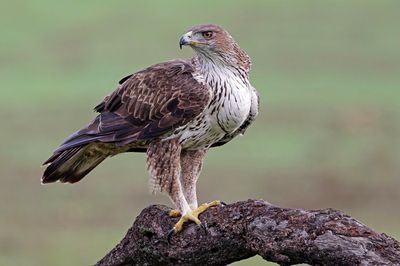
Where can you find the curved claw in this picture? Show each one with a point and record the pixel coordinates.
(204, 227)
(170, 234)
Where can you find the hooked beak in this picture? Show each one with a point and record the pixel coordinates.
(186, 39)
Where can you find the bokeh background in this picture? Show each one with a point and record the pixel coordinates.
(327, 135)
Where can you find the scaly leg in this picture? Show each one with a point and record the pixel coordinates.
(164, 164)
(191, 163)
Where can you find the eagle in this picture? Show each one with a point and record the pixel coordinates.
(173, 111)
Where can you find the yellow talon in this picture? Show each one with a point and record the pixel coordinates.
(203, 207)
(175, 213)
(193, 215)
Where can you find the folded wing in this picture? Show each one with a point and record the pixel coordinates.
(147, 105)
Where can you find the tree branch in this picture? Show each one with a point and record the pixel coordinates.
(243, 229)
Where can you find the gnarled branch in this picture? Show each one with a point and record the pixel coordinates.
(244, 229)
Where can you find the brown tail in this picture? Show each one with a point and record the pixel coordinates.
(72, 164)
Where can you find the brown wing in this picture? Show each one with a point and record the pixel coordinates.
(146, 105)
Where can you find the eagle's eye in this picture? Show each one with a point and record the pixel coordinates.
(207, 34)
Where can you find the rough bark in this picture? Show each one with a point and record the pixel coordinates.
(243, 229)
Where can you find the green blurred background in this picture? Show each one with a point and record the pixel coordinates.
(327, 135)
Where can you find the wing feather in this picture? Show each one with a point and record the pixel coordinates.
(146, 105)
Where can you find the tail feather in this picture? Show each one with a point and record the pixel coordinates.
(71, 165)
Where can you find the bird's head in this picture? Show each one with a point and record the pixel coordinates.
(213, 42)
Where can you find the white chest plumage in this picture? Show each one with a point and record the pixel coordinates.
(231, 101)
(228, 108)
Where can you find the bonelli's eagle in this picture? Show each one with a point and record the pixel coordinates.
(174, 111)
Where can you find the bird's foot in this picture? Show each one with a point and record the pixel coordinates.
(192, 215)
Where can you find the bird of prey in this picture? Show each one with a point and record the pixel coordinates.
(174, 111)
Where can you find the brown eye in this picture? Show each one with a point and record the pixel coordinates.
(207, 34)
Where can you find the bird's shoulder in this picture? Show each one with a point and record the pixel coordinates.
(160, 83)
(154, 100)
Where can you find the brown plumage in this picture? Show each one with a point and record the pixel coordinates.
(145, 105)
(175, 111)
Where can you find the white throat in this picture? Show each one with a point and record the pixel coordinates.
(211, 70)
